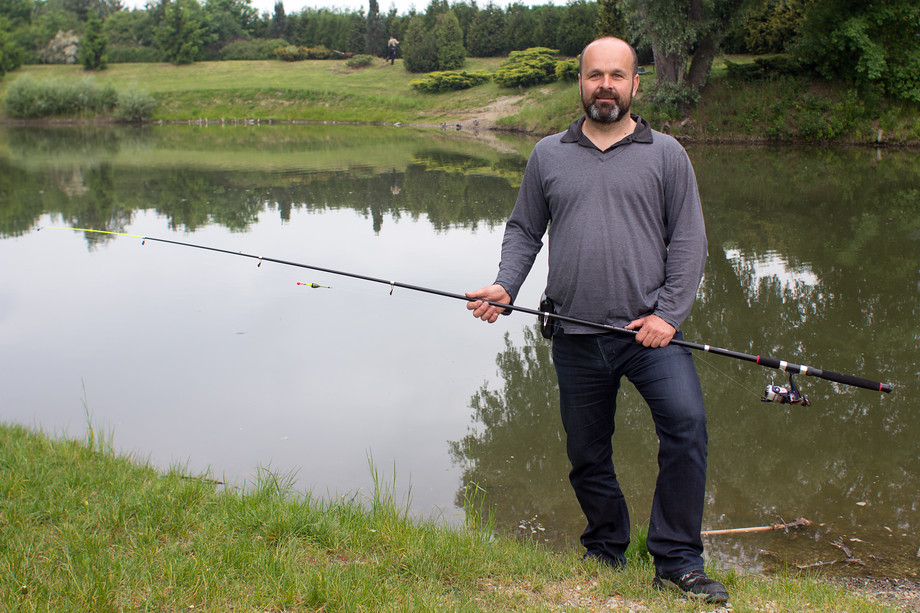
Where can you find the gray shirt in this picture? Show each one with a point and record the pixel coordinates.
(626, 232)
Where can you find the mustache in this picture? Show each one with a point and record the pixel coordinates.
(605, 94)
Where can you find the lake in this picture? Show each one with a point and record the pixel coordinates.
(226, 366)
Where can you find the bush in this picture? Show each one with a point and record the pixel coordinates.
(567, 70)
(359, 61)
(254, 49)
(27, 98)
(445, 81)
(134, 105)
(532, 66)
(295, 53)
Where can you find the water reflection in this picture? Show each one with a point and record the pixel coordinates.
(811, 260)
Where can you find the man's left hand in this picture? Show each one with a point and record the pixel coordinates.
(652, 331)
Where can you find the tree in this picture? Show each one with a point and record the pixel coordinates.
(685, 37)
(419, 51)
(278, 27)
(873, 45)
(181, 33)
(577, 28)
(486, 35)
(610, 20)
(374, 42)
(449, 42)
(93, 45)
(10, 54)
(226, 20)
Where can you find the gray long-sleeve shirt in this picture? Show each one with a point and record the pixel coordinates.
(626, 232)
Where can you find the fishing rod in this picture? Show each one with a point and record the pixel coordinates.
(772, 393)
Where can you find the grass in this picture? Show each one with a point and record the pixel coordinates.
(84, 529)
(782, 109)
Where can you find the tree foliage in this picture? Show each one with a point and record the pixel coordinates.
(874, 45)
(181, 34)
(93, 45)
(686, 36)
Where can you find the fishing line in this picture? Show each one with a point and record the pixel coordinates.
(772, 393)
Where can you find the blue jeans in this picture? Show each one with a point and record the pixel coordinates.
(589, 368)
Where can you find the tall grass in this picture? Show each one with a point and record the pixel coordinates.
(82, 529)
(31, 98)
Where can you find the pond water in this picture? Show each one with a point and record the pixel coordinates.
(225, 366)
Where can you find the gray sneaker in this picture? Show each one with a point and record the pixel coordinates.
(694, 584)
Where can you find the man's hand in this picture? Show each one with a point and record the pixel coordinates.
(484, 310)
(652, 331)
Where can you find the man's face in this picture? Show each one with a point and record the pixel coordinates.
(607, 81)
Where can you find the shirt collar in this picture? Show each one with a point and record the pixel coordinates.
(575, 134)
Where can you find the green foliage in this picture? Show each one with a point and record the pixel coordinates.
(567, 70)
(610, 20)
(769, 26)
(296, 53)
(11, 55)
(577, 28)
(672, 99)
(486, 34)
(28, 98)
(420, 51)
(360, 61)
(134, 105)
(254, 49)
(226, 20)
(93, 45)
(871, 44)
(764, 68)
(449, 42)
(445, 81)
(181, 33)
(526, 68)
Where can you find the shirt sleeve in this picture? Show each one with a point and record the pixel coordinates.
(687, 244)
(524, 230)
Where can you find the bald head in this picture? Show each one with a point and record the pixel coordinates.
(609, 45)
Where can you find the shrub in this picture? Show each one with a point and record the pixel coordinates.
(359, 61)
(295, 53)
(445, 81)
(526, 68)
(567, 70)
(28, 98)
(134, 105)
(254, 49)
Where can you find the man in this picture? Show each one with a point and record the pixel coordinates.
(627, 246)
(391, 50)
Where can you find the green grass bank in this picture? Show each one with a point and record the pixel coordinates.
(780, 109)
(83, 528)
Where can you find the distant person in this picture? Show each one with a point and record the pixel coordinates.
(627, 246)
(391, 50)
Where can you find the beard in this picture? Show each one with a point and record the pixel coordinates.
(607, 112)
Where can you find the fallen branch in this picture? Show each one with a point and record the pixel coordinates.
(799, 523)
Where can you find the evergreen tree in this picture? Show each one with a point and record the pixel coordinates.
(610, 20)
(93, 45)
(449, 42)
(419, 51)
(180, 35)
(375, 40)
(486, 35)
(10, 54)
(278, 26)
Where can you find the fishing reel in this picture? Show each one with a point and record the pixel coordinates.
(785, 395)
